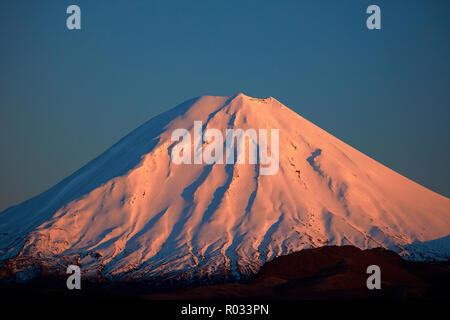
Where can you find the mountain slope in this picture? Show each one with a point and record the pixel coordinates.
(133, 213)
(328, 273)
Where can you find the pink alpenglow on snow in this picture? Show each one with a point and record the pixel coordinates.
(133, 213)
(209, 147)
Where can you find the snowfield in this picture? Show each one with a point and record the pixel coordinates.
(132, 213)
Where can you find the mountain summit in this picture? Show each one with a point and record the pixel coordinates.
(132, 213)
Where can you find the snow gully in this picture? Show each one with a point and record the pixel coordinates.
(208, 147)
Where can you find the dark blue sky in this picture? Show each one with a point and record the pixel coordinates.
(66, 96)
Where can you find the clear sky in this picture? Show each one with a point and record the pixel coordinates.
(66, 96)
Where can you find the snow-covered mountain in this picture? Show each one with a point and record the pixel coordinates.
(132, 213)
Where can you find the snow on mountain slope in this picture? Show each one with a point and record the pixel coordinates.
(132, 213)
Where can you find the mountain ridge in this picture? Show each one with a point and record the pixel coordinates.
(132, 213)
